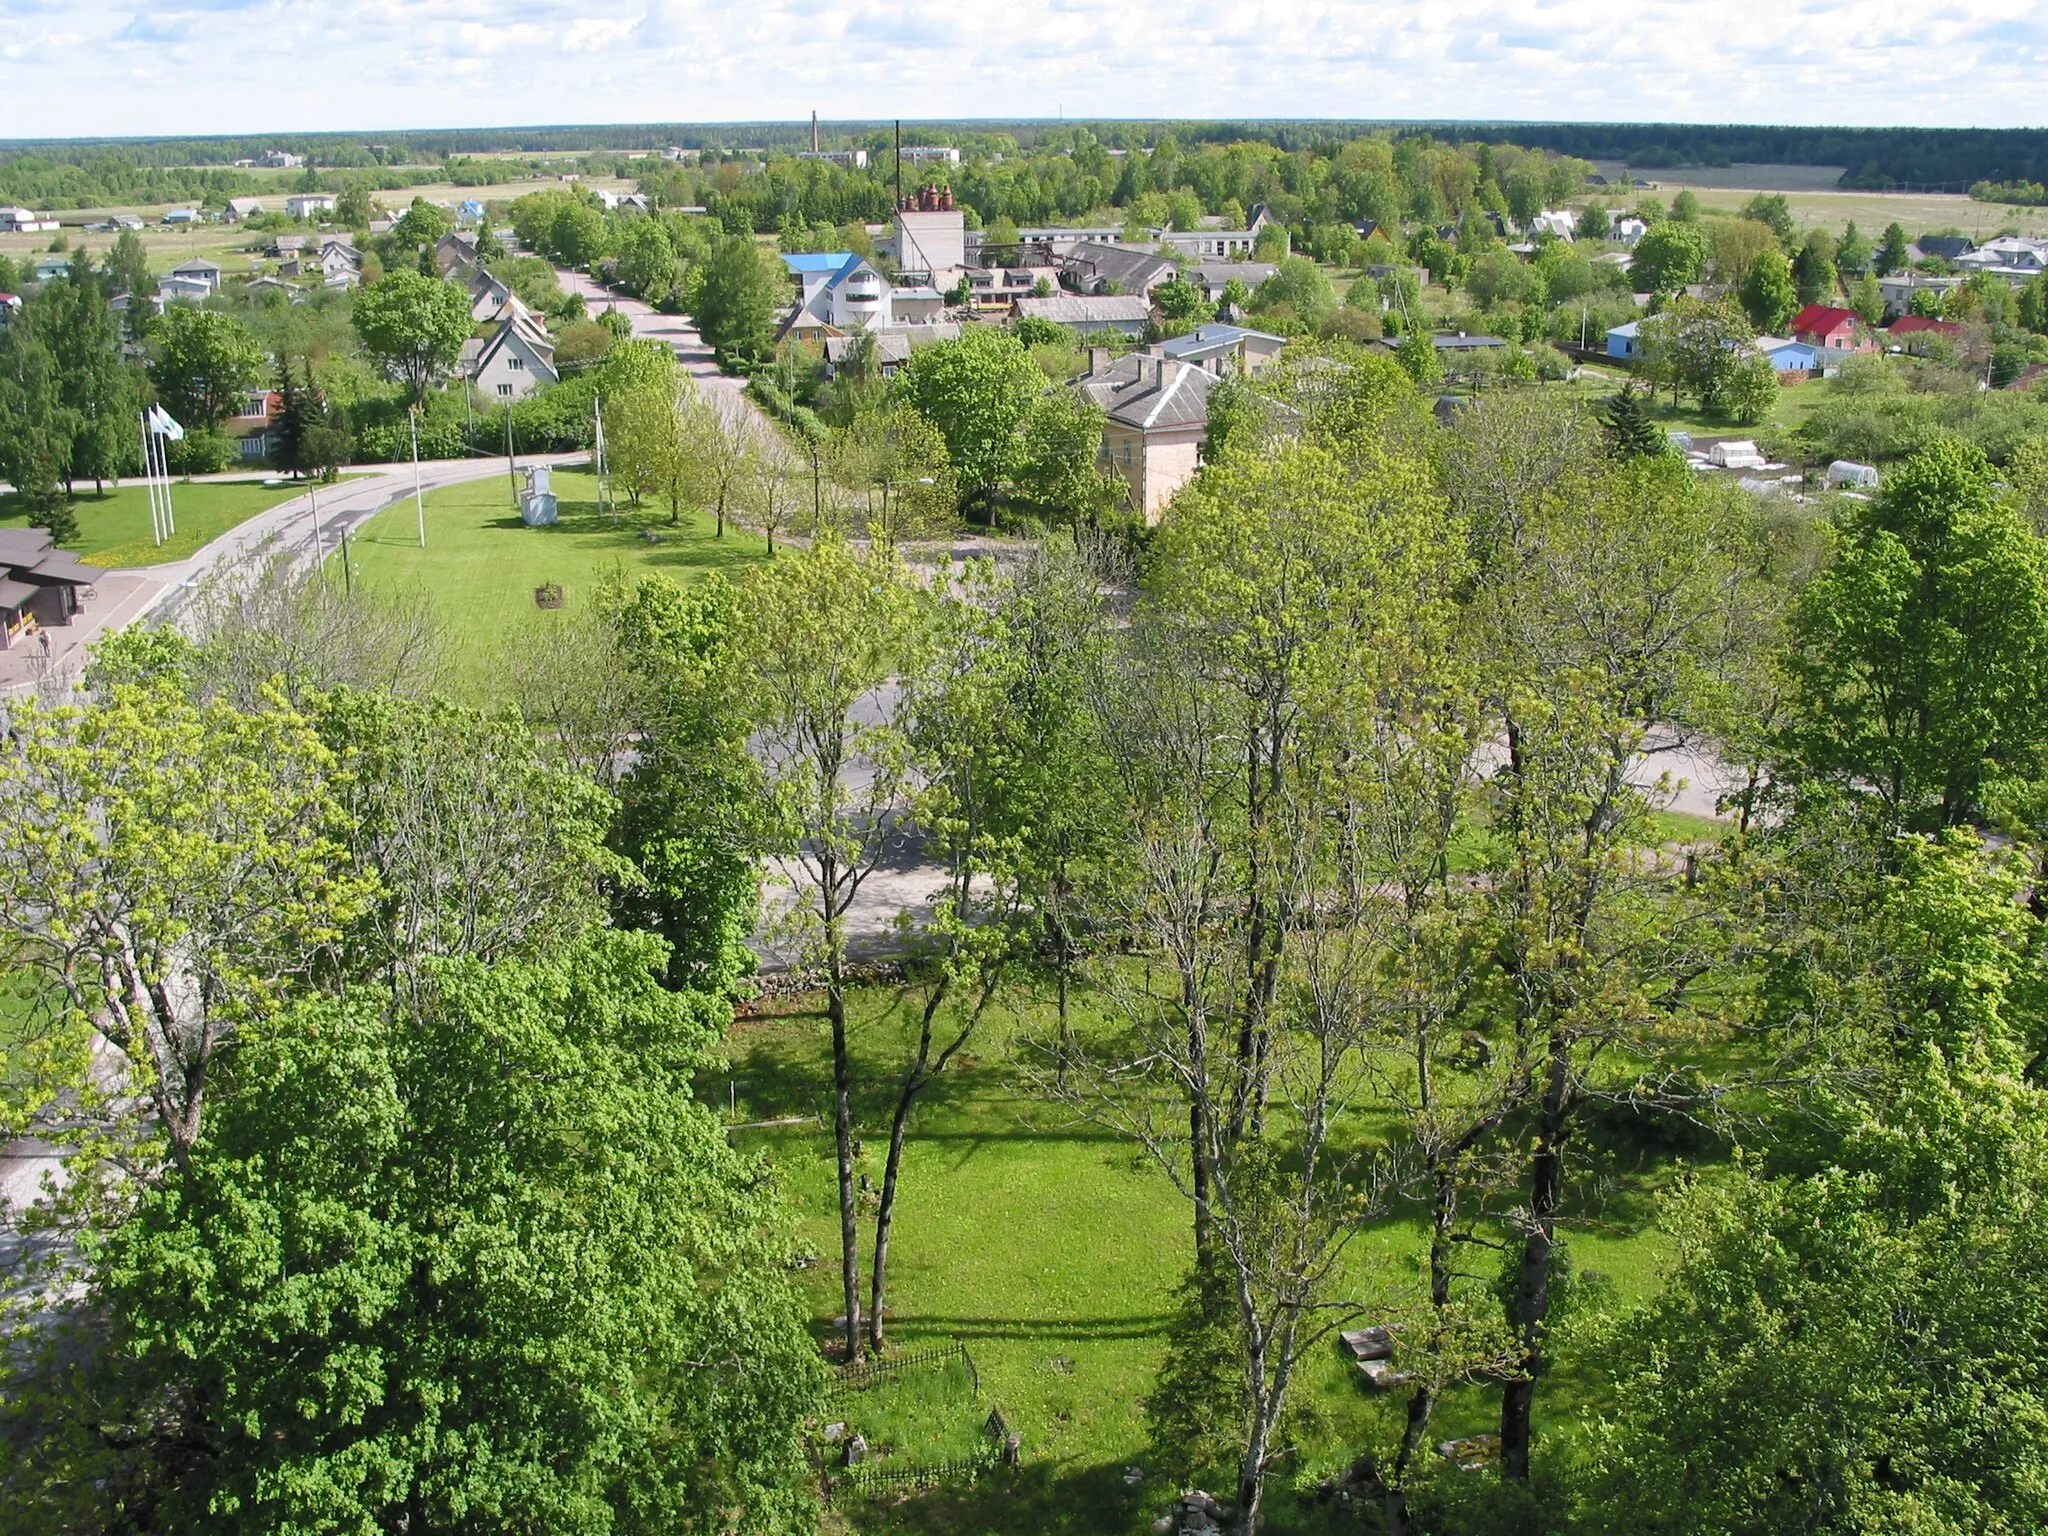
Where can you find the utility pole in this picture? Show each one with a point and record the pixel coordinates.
(313, 510)
(412, 420)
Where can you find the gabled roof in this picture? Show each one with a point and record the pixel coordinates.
(196, 265)
(849, 265)
(1946, 247)
(1907, 325)
(1130, 267)
(1152, 393)
(1213, 340)
(817, 261)
(1106, 309)
(1823, 317)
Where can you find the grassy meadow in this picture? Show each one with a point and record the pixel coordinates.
(114, 527)
(482, 565)
(1053, 1248)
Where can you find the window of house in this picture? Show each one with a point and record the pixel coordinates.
(515, 362)
(504, 389)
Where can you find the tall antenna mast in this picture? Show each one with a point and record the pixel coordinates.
(899, 175)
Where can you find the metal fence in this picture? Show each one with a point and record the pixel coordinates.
(858, 1378)
(865, 1478)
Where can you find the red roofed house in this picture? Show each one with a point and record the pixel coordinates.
(1822, 325)
(1911, 330)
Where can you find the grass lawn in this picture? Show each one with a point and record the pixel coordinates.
(1795, 403)
(113, 529)
(482, 565)
(1053, 1249)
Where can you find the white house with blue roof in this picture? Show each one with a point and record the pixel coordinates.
(840, 291)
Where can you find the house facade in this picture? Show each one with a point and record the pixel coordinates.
(1155, 420)
(25, 221)
(1823, 325)
(307, 205)
(514, 360)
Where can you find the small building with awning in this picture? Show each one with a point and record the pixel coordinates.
(41, 587)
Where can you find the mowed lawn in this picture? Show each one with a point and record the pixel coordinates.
(1053, 1249)
(482, 566)
(114, 528)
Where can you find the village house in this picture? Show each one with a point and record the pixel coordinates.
(1100, 267)
(892, 349)
(515, 359)
(1155, 420)
(1823, 325)
(1940, 248)
(1215, 241)
(1128, 315)
(254, 424)
(1212, 277)
(2016, 259)
(25, 221)
(240, 208)
(1223, 349)
(182, 216)
(200, 270)
(307, 205)
(840, 291)
(1910, 332)
(999, 288)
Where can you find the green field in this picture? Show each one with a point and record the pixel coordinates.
(1052, 1249)
(113, 529)
(481, 565)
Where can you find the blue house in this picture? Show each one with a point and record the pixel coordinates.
(1622, 341)
(1793, 355)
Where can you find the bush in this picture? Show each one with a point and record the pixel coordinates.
(202, 453)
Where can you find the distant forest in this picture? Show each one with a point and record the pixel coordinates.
(88, 173)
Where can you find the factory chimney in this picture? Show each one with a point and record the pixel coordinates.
(814, 132)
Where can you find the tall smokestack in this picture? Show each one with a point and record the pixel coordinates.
(814, 132)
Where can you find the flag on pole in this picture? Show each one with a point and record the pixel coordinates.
(160, 422)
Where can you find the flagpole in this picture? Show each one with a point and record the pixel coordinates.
(419, 498)
(156, 522)
(163, 460)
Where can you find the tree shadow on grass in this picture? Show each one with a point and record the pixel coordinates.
(1038, 1498)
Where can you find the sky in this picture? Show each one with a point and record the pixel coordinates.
(74, 69)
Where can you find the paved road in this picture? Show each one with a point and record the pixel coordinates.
(302, 528)
(681, 336)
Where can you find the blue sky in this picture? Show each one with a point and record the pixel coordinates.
(215, 66)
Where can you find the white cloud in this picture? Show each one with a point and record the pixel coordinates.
(255, 65)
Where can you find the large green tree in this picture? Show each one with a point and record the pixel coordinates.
(203, 362)
(413, 326)
(733, 295)
(1669, 256)
(517, 1280)
(974, 390)
(97, 390)
(1855, 1339)
(1770, 296)
(35, 429)
(1917, 651)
